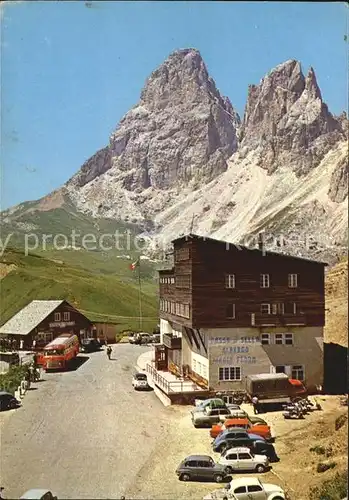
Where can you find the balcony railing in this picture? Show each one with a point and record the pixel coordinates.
(172, 342)
(172, 386)
(259, 319)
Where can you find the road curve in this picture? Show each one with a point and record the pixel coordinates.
(83, 433)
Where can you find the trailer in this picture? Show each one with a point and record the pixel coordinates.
(273, 389)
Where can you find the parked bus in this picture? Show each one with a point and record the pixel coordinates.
(58, 352)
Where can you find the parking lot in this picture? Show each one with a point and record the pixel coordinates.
(295, 472)
(88, 434)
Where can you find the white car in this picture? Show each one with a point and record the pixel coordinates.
(140, 381)
(38, 494)
(250, 488)
(242, 459)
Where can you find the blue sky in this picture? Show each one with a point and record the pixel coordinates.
(70, 72)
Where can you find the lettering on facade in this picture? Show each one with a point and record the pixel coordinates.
(234, 340)
(229, 360)
(235, 349)
(61, 324)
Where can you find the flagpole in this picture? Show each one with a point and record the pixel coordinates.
(140, 294)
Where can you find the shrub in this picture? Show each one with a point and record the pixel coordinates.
(320, 450)
(332, 489)
(11, 380)
(340, 421)
(322, 467)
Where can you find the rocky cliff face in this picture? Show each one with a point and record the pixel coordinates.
(287, 122)
(181, 131)
(181, 157)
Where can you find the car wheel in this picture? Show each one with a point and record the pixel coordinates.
(260, 468)
(218, 478)
(12, 405)
(185, 477)
(229, 470)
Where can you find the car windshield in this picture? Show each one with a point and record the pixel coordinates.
(141, 376)
(54, 352)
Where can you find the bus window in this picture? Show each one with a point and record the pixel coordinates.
(54, 352)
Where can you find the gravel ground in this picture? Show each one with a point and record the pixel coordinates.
(295, 472)
(83, 433)
(88, 434)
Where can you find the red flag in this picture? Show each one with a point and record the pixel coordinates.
(134, 265)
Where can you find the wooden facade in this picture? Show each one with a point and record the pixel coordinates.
(267, 305)
(207, 263)
(64, 319)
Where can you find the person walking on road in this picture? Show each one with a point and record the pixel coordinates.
(255, 404)
(109, 351)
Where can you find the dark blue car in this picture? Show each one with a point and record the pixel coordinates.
(231, 438)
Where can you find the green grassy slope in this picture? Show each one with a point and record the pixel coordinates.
(111, 295)
(26, 219)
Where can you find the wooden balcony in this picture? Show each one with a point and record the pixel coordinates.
(172, 342)
(259, 319)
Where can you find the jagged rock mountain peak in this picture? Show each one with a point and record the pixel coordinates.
(181, 132)
(287, 122)
(312, 86)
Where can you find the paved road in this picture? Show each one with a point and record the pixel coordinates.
(84, 433)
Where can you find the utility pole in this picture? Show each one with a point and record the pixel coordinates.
(140, 295)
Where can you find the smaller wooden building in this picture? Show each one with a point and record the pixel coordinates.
(41, 321)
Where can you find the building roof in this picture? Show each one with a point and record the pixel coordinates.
(245, 248)
(29, 317)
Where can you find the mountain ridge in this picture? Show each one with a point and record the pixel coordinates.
(183, 156)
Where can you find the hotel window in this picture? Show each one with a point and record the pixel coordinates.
(294, 308)
(265, 339)
(288, 338)
(231, 311)
(280, 369)
(229, 373)
(183, 281)
(199, 368)
(264, 281)
(57, 316)
(230, 281)
(204, 371)
(66, 316)
(279, 338)
(265, 308)
(194, 365)
(278, 308)
(293, 280)
(297, 372)
(182, 254)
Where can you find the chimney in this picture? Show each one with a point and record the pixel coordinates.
(260, 242)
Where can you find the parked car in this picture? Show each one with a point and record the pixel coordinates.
(90, 345)
(155, 338)
(200, 404)
(140, 381)
(201, 467)
(245, 423)
(39, 494)
(8, 401)
(230, 438)
(132, 338)
(242, 459)
(208, 417)
(248, 488)
(261, 447)
(142, 338)
(257, 420)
